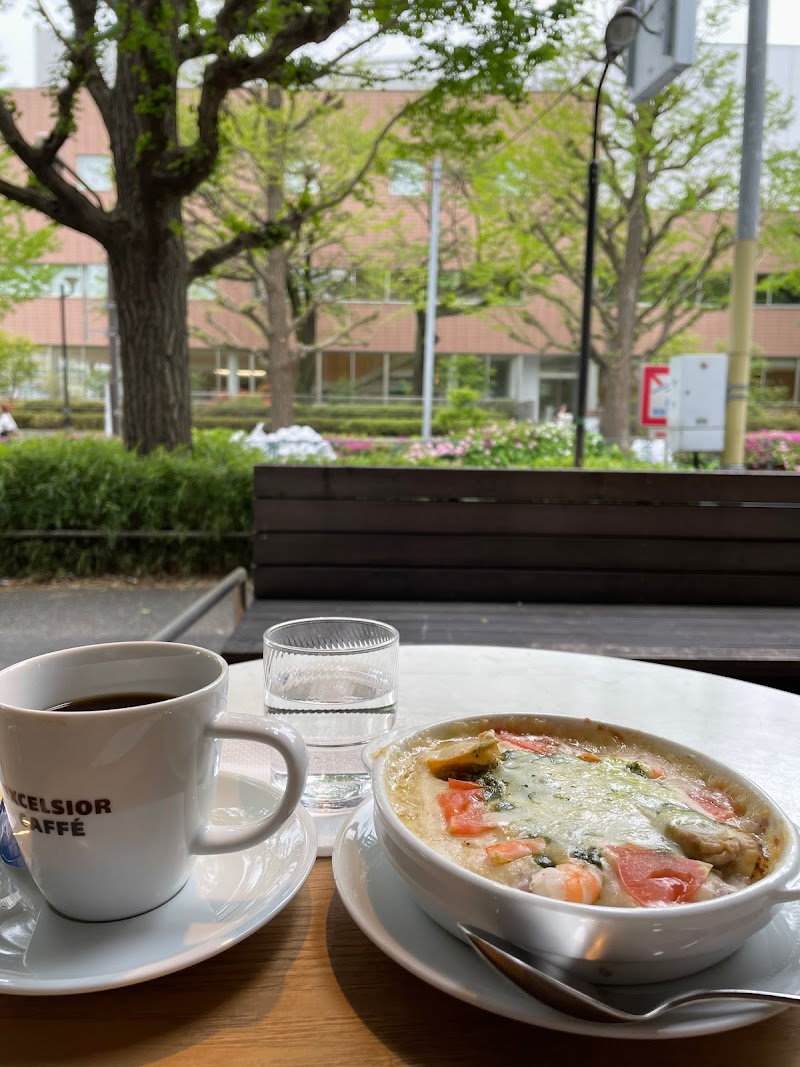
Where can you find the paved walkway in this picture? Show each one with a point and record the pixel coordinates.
(42, 618)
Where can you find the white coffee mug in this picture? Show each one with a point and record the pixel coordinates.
(110, 808)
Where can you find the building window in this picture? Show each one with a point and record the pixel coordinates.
(300, 177)
(88, 280)
(96, 280)
(67, 277)
(203, 289)
(771, 293)
(406, 178)
(95, 172)
(714, 290)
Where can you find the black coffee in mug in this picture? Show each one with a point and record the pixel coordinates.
(110, 701)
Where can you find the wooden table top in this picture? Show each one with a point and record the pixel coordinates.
(310, 988)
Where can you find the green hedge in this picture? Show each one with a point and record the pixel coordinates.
(239, 414)
(61, 483)
(766, 420)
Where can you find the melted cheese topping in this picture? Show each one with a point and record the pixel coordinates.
(599, 817)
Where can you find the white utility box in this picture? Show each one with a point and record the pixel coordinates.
(696, 403)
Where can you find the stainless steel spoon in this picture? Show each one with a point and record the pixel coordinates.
(557, 989)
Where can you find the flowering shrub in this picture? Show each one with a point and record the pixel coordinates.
(772, 450)
(355, 451)
(515, 444)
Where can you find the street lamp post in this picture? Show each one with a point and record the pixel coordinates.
(64, 355)
(619, 34)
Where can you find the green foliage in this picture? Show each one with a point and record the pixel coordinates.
(63, 483)
(134, 55)
(665, 165)
(466, 371)
(461, 412)
(238, 413)
(779, 418)
(22, 248)
(769, 407)
(17, 365)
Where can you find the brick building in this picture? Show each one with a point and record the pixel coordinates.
(377, 360)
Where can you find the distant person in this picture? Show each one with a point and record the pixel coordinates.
(564, 417)
(8, 427)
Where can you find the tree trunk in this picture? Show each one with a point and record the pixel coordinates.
(282, 365)
(616, 419)
(282, 369)
(281, 377)
(150, 271)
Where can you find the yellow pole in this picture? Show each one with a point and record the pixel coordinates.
(744, 256)
(743, 285)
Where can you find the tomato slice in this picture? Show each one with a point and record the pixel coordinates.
(458, 783)
(506, 851)
(717, 805)
(653, 878)
(544, 745)
(463, 811)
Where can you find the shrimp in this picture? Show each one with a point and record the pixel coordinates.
(578, 882)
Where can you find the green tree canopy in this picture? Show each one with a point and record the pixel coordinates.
(666, 213)
(130, 58)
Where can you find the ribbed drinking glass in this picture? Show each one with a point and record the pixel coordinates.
(335, 680)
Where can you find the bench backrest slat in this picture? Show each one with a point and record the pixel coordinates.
(593, 536)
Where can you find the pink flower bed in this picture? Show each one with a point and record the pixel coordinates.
(772, 450)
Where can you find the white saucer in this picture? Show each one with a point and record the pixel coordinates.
(377, 899)
(226, 899)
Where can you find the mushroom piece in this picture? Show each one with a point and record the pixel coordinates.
(715, 843)
(471, 756)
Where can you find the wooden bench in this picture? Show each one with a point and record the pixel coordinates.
(695, 569)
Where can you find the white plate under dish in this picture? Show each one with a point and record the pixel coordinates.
(379, 902)
(226, 899)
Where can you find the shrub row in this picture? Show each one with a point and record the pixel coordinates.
(385, 426)
(63, 483)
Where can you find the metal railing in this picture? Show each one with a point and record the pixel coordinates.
(236, 582)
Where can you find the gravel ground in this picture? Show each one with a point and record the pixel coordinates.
(37, 617)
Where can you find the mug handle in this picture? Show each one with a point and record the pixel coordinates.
(288, 742)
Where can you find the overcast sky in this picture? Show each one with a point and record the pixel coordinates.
(16, 35)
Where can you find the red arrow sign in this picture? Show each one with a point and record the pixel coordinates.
(653, 394)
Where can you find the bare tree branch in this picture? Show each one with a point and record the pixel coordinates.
(187, 167)
(272, 233)
(65, 204)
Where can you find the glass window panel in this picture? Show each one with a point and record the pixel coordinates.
(401, 374)
(499, 376)
(716, 289)
(96, 280)
(68, 276)
(301, 176)
(406, 178)
(781, 374)
(762, 289)
(784, 294)
(95, 172)
(559, 365)
(369, 374)
(203, 289)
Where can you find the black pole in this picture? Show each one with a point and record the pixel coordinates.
(588, 283)
(64, 357)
